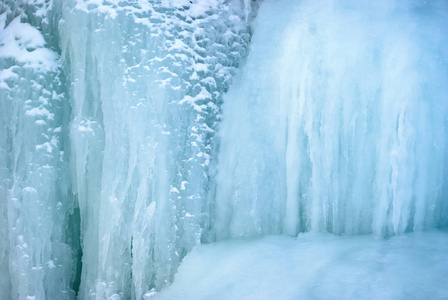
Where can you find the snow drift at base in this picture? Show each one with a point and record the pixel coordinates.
(316, 266)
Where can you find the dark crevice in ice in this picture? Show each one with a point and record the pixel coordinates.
(74, 241)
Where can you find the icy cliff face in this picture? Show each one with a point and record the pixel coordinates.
(111, 170)
(145, 100)
(104, 179)
(338, 121)
(35, 259)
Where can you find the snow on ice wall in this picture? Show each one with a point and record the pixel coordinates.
(110, 166)
(35, 257)
(146, 91)
(338, 121)
(104, 179)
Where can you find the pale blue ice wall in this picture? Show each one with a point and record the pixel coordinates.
(110, 166)
(338, 121)
(117, 159)
(35, 259)
(146, 91)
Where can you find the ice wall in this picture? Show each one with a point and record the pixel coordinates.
(147, 84)
(104, 178)
(338, 121)
(110, 167)
(35, 258)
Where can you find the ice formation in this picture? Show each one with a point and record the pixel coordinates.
(331, 117)
(338, 121)
(109, 110)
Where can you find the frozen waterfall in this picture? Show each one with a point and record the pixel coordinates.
(338, 121)
(133, 131)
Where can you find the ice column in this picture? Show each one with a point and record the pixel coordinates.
(35, 258)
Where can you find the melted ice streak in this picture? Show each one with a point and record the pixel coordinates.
(338, 121)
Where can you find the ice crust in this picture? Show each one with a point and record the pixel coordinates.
(111, 168)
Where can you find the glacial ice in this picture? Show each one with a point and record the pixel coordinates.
(132, 131)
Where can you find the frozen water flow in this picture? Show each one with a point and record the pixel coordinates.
(112, 170)
(338, 121)
(104, 176)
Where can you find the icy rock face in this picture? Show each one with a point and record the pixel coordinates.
(338, 121)
(147, 84)
(35, 259)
